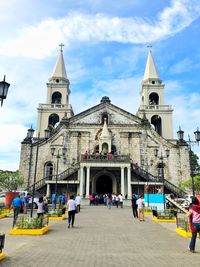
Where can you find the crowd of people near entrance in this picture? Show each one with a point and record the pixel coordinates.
(106, 199)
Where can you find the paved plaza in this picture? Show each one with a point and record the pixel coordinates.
(101, 237)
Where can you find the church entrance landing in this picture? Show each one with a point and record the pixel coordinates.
(104, 185)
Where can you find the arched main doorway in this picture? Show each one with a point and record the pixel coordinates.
(104, 184)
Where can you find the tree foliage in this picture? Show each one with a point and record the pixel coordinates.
(195, 172)
(10, 181)
(195, 167)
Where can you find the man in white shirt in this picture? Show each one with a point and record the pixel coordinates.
(140, 203)
(78, 202)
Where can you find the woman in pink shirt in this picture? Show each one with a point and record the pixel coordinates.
(194, 220)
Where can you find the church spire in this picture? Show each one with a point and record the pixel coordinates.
(105, 132)
(59, 69)
(150, 70)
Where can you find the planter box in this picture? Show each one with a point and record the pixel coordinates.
(2, 256)
(41, 231)
(61, 218)
(2, 216)
(182, 232)
(155, 219)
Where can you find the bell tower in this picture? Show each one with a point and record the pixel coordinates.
(152, 101)
(57, 105)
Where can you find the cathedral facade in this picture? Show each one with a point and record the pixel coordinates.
(104, 148)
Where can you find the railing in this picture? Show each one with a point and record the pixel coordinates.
(173, 188)
(182, 222)
(146, 175)
(149, 177)
(61, 176)
(156, 107)
(65, 174)
(48, 106)
(104, 158)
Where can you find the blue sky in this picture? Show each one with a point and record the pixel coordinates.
(105, 54)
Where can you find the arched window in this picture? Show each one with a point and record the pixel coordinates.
(48, 169)
(53, 119)
(157, 123)
(104, 149)
(103, 117)
(56, 98)
(153, 99)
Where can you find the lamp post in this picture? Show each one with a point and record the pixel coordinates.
(31, 140)
(58, 156)
(147, 165)
(189, 142)
(161, 159)
(3, 89)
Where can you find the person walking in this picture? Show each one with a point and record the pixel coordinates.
(140, 204)
(134, 205)
(26, 202)
(40, 210)
(71, 205)
(46, 207)
(54, 199)
(16, 205)
(78, 202)
(120, 197)
(194, 221)
(108, 201)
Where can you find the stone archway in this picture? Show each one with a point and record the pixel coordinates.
(104, 184)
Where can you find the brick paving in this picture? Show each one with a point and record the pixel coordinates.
(101, 237)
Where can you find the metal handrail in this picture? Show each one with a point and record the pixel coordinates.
(61, 176)
(146, 175)
(149, 177)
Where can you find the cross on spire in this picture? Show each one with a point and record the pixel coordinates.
(61, 46)
(149, 46)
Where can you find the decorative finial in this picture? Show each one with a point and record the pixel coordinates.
(61, 46)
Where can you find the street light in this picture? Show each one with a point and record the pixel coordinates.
(3, 89)
(161, 158)
(58, 156)
(30, 140)
(189, 142)
(147, 165)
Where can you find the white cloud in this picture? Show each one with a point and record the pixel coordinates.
(40, 40)
(182, 66)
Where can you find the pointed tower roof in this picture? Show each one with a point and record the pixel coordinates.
(150, 70)
(105, 132)
(59, 69)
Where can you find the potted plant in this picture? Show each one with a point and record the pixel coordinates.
(9, 182)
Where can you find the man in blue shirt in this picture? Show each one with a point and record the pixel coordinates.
(26, 202)
(16, 204)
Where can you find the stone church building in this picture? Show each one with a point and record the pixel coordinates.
(104, 148)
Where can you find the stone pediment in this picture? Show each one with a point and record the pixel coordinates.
(115, 115)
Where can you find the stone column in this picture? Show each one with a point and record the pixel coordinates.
(48, 193)
(122, 181)
(81, 182)
(129, 182)
(88, 182)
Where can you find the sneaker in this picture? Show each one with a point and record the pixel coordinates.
(68, 225)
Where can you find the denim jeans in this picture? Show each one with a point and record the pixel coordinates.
(194, 236)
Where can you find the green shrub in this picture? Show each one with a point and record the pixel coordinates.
(26, 222)
(55, 213)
